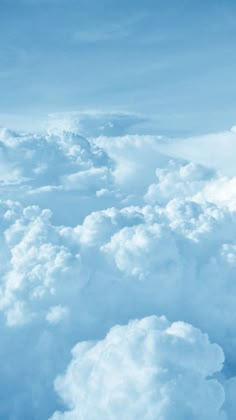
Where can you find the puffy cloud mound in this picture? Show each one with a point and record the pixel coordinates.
(38, 266)
(52, 168)
(149, 369)
(178, 180)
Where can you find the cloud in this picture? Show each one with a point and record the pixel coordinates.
(107, 32)
(94, 123)
(38, 264)
(57, 314)
(216, 150)
(147, 369)
(43, 169)
(98, 231)
(176, 180)
(92, 179)
(130, 154)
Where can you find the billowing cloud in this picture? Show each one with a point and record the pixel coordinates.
(96, 232)
(214, 149)
(149, 369)
(95, 123)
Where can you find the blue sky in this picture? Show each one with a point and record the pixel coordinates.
(101, 225)
(173, 61)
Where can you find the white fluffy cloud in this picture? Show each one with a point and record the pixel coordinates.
(39, 160)
(149, 369)
(215, 150)
(95, 233)
(38, 264)
(178, 180)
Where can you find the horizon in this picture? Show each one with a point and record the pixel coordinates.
(172, 63)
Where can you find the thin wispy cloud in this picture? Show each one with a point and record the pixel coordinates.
(110, 31)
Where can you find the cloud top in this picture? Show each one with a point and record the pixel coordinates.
(149, 369)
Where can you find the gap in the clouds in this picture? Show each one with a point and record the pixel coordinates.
(69, 208)
(24, 358)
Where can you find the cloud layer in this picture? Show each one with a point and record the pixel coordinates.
(97, 232)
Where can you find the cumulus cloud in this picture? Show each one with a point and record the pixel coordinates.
(95, 232)
(148, 369)
(95, 123)
(37, 263)
(130, 153)
(216, 150)
(43, 159)
(46, 168)
(178, 180)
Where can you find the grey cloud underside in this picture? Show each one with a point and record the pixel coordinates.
(97, 233)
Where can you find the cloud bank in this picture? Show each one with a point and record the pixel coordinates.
(99, 231)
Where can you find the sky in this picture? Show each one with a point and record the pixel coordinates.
(172, 63)
(117, 210)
